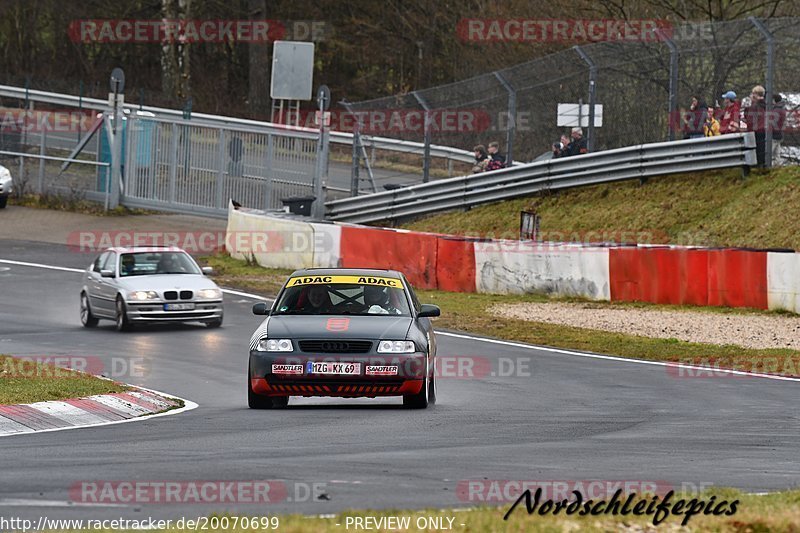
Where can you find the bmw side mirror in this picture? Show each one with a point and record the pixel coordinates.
(106, 273)
(429, 310)
(207, 270)
(260, 309)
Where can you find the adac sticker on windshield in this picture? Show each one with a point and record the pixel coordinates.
(350, 280)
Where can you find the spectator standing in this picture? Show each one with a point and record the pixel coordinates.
(731, 114)
(481, 159)
(711, 125)
(496, 159)
(577, 145)
(778, 123)
(755, 118)
(696, 117)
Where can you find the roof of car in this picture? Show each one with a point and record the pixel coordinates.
(140, 249)
(346, 272)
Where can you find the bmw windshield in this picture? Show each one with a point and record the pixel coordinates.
(148, 263)
(343, 295)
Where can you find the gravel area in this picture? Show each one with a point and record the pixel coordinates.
(746, 330)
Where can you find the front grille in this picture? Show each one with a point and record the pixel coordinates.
(186, 295)
(345, 388)
(171, 295)
(335, 346)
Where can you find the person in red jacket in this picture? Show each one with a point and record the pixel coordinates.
(731, 114)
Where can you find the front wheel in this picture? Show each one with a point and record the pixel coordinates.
(3, 201)
(123, 324)
(214, 322)
(87, 318)
(426, 395)
(256, 401)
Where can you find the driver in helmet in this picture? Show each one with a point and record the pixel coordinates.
(377, 301)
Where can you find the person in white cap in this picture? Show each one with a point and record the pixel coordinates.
(577, 145)
(731, 114)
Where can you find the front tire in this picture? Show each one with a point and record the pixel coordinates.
(425, 397)
(214, 323)
(122, 322)
(87, 318)
(3, 201)
(256, 401)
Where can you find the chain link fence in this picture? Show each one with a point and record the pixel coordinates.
(633, 86)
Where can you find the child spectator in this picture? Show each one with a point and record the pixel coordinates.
(711, 125)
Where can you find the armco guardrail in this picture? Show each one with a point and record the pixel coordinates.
(633, 162)
(381, 143)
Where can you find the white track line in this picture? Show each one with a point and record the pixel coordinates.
(516, 344)
(79, 270)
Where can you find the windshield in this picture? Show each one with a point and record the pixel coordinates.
(343, 295)
(146, 263)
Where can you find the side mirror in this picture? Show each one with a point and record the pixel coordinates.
(106, 273)
(260, 309)
(429, 310)
(207, 270)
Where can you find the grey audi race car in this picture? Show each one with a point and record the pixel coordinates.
(346, 333)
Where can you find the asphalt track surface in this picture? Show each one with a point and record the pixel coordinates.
(572, 418)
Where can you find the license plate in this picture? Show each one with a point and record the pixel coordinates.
(375, 370)
(349, 369)
(178, 307)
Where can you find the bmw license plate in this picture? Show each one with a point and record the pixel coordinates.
(178, 307)
(348, 369)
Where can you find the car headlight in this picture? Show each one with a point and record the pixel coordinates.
(209, 294)
(396, 347)
(274, 345)
(143, 295)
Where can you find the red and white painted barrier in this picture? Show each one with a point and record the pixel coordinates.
(646, 273)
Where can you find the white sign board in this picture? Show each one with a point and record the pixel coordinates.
(292, 70)
(568, 115)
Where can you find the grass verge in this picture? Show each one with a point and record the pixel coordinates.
(27, 380)
(713, 208)
(73, 204)
(469, 312)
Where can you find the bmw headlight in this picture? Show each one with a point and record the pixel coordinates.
(396, 347)
(209, 294)
(141, 296)
(274, 345)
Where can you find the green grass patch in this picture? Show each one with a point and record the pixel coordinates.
(74, 204)
(245, 275)
(28, 380)
(713, 208)
(469, 312)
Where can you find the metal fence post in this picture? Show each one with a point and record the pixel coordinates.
(42, 151)
(590, 140)
(673, 82)
(270, 155)
(770, 39)
(426, 158)
(221, 169)
(512, 116)
(173, 163)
